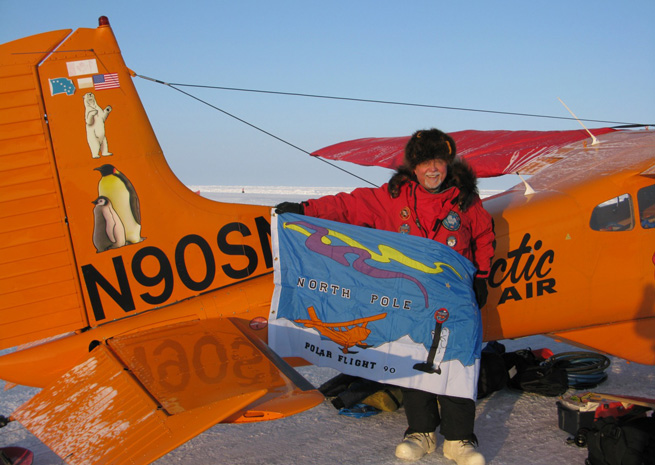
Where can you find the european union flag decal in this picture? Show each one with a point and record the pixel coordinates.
(61, 86)
(385, 306)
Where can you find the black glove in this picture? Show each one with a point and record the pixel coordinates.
(290, 207)
(481, 291)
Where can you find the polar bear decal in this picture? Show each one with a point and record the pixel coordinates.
(95, 117)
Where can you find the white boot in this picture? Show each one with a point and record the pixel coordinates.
(462, 452)
(416, 445)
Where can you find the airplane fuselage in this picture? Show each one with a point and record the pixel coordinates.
(575, 255)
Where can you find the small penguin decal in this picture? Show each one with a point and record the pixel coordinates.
(108, 229)
(95, 117)
(119, 190)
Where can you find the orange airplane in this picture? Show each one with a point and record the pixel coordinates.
(345, 333)
(141, 308)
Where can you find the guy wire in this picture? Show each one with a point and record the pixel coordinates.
(172, 86)
(387, 102)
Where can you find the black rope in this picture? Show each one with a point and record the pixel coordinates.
(585, 370)
(387, 102)
(172, 86)
(54, 51)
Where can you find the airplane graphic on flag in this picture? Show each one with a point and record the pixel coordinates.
(106, 81)
(380, 305)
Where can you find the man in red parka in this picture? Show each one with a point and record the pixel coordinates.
(433, 194)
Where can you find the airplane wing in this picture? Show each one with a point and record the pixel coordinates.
(140, 396)
(490, 153)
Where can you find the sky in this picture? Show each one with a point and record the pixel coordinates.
(504, 56)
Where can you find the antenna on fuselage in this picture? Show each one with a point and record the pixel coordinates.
(528, 188)
(593, 138)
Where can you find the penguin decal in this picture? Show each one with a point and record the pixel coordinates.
(121, 193)
(95, 117)
(108, 229)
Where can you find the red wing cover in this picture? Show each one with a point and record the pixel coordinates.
(490, 153)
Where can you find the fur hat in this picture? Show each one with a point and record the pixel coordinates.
(427, 145)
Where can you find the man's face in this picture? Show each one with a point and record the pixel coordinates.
(430, 174)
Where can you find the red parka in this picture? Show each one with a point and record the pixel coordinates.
(418, 212)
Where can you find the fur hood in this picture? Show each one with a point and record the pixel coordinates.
(460, 175)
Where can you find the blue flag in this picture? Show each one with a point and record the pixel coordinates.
(385, 306)
(61, 86)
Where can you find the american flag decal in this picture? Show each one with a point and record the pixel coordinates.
(106, 81)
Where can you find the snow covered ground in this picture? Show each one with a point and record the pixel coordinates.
(513, 427)
(272, 195)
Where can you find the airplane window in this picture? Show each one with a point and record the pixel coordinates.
(615, 214)
(646, 202)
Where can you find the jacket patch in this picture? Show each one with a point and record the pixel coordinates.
(452, 222)
(404, 229)
(404, 213)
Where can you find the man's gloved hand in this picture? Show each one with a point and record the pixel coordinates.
(481, 291)
(290, 207)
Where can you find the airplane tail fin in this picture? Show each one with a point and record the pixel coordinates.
(94, 226)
